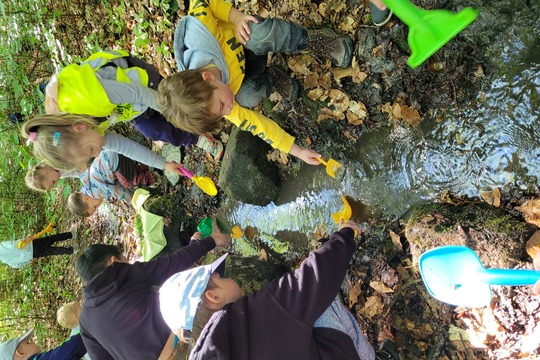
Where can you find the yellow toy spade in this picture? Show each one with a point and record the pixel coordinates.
(344, 214)
(24, 242)
(331, 166)
(203, 182)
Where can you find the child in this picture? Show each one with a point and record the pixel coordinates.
(123, 88)
(83, 205)
(23, 348)
(43, 177)
(113, 175)
(298, 316)
(120, 317)
(226, 77)
(11, 255)
(68, 317)
(71, 142)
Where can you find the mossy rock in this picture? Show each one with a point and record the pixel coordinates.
(246, 174)
(497, 237)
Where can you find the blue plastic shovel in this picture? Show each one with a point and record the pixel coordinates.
(455, 275)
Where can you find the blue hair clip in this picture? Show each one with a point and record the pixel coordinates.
(56, 138)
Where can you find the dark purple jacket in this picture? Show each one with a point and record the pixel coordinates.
(120, 318)
(71, 349)
(277, 321)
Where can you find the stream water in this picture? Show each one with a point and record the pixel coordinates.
(494, 144)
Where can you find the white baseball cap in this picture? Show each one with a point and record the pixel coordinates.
(180, 295)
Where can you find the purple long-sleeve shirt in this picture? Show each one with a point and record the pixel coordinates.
(120, 318)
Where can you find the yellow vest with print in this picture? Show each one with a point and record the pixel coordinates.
(80, 92)
(214, 14)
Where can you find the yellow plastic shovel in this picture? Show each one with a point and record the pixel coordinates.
(345, 213)
(48, 229)
(331, 166)
(236, 232)
(203, 182)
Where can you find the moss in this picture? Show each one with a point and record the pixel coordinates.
(161, 205)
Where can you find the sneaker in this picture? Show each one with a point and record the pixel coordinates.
(209, 143)
(387, 351)
(378, 16)
(283, 84)
(328, 43)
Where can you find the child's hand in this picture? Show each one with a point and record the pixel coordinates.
(536, 288)
(350, 224)
(196, 236)
(241, 24)
(221, 239)
(309, 156)
(173, 167)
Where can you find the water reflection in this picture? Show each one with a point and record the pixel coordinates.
(495, 143)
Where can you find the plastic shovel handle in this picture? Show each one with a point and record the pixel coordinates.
(185, 171)
(510, 277)
(322, 161)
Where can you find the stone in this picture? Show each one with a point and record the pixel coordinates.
(246, 174)
(497, 237)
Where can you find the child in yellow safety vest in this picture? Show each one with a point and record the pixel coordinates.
(120, 87)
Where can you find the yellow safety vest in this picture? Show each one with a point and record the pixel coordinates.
(80, 92)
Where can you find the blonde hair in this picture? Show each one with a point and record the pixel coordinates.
(55, 151)
(76, 204)
(68, 314)
(35, 179)
(185, 99)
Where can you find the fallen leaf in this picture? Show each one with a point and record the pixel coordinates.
(386, 108)
(396, 240)
(492, 197)
(349, 136)
(263, 256)
(299, 63)
(311, 80)
(354, 293)
(380, 287)
(533, 244)
(353, 119)
(359, 110)
(341, 73)
(531, 211)
(373, 306)
(278, 156)
(317, 94)
(411, 115)
(324, 116)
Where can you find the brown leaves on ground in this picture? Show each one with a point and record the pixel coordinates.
(531, 211)
(492, 197)
(401, 111)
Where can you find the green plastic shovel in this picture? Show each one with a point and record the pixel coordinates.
(429, 30)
